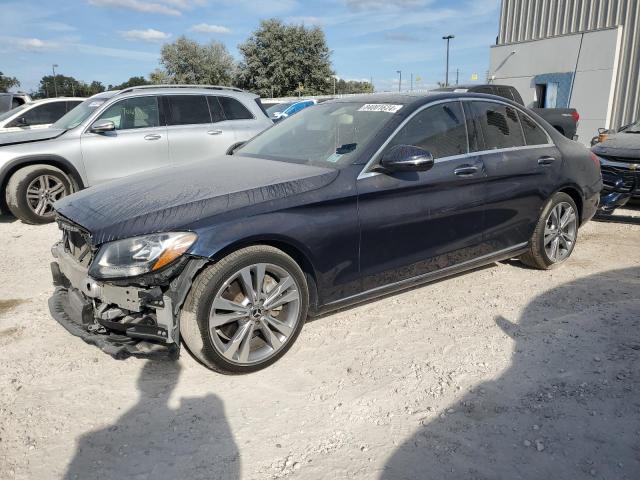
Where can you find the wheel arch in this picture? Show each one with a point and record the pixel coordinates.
(52, 160)
(576, 195)
(290, 247)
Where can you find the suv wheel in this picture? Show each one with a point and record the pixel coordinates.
(555, 235)
(32, 190)
(244, 312)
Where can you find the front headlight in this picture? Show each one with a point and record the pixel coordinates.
(138, 255)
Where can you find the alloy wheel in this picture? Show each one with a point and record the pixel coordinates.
(254, 313)
(42, 192)
(560, 232)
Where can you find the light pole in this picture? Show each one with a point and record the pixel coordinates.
(446, 78)
(399, 72)
(55, 85)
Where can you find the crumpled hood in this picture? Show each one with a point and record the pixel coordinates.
(14, 138)
(626, 145)
(175, 197)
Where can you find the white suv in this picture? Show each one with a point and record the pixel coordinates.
(37, 114)
(119, 133)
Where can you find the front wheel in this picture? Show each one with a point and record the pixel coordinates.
(554, 237)
(244, 312)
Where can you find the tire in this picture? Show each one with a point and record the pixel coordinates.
(541, 254)
(31, 191)
(257, 336)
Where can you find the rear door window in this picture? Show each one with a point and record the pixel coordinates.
(533, 133)
(217, 115)
(439, 129)
(233, 109)
(499, 124)
(187, 110)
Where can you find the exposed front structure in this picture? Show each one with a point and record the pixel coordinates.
(583, 54)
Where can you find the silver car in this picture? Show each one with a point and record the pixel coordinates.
(119, 133)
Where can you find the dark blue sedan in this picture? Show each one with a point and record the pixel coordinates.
(345, 201)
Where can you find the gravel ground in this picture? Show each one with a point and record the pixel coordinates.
(504, 372)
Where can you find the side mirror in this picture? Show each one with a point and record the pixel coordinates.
(405, 158)
(102, 127)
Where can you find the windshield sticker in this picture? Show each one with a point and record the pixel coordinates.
(380, 107)
(333, 158)
(96, 104)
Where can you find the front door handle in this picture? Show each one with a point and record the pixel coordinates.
(465, 171)
(214, 132)
(545, 161)
(153, 136)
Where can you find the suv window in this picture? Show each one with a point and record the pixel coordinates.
(42, 114)
(73, 104)
(187, 110)
(233, 109)
(533, 133)
(137, 112)
(499, 125)
(217, 115)
(439, 129)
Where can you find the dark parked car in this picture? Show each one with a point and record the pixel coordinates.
(620, 164)
(347, 200)
(565, 120)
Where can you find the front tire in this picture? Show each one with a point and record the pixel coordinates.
(244, 312)
(32, 190)
(555, 235)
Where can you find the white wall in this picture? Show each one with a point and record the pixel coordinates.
(594, 64)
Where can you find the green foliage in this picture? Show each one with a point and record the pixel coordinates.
(8, 82)
(353, 86)
(132, 82)
(187, 61)
(282, 60)
(66, 87)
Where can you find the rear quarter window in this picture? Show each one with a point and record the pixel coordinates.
(233, 109)
(533, 133)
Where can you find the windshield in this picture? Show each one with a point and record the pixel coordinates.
(278, 108)
(328, 135)
(13, 111)
(79, 114)
(633, 128)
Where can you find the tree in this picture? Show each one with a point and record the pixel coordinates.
(353, 86)
(280, 60)
(187, 61)
(8, 82)
(132, 82)
(66, 87)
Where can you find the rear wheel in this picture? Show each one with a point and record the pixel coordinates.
(244, 312)
(32, 191)
(555, 235)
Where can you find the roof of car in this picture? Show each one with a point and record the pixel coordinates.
(167, 89)
(57, 99)
(407, 98)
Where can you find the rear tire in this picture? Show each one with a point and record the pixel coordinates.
(32, 190)
(555, 235)
(244, 312)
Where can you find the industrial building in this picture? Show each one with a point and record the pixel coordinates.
(583, 54)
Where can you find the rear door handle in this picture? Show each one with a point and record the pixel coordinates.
(153, 136)
(214, 132)
(465, 171)
(545, 161)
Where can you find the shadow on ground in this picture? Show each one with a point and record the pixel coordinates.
(567, 408)
(154, 441)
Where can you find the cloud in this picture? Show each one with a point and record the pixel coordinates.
(148, 35)
(400, 37)
(360, 5)
(31, 44)
(207, 28)
(305, 20)
(163, 7)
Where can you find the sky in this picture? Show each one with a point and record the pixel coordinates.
(112, 40)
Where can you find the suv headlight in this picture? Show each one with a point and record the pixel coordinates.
(137, 255)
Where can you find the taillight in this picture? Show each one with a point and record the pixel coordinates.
(595, 159)
(575, 115)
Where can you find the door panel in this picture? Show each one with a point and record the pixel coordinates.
(137, 144)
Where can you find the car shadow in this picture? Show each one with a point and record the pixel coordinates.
(153, 440)
(566, 408)
(7, 218)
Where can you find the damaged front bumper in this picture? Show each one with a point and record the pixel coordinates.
(121, 320)
(621, 182)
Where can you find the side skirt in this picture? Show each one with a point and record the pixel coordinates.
(422, 279)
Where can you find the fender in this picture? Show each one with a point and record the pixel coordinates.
(46, 159)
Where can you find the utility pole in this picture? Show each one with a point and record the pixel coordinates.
(399, 72)
(457, 75)
(55, 85)
(446, 78)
